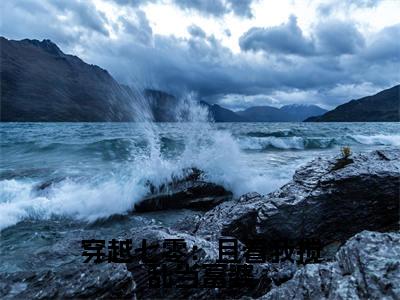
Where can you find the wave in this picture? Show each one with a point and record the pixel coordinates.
(279, 141)
(286, 143)
(96, 196)
(284, 133)
(379, 139)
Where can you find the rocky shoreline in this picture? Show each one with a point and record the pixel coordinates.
(353, 210)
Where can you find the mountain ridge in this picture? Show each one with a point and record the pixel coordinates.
(40, 83)
(383, 106)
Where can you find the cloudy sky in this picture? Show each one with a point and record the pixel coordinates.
(237, 53)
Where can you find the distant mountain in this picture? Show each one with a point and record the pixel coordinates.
(287, 113)
(41, 83)
(381, 107)
(221, 114)
(300, 112)
(261, 114)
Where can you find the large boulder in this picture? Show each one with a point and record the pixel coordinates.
(366, 267)
(188, 190)
(327, 199)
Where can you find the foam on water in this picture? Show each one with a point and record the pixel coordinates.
(215, 152)
(379, 139)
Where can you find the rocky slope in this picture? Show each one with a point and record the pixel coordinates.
(381, 107)
(366, 267)
(364, 192)
(41, 83)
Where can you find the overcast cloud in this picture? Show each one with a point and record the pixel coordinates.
(327, 59)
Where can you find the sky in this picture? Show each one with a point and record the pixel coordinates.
(237, 53)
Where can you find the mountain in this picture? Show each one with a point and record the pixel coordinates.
(381, 107)
(221, 114)
(261, 114)
(287, 113)
(162, 105)
(300, 112)
(41, 83)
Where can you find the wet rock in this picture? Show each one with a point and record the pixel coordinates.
(206, 253)
(73, 281)
(320, 202)
(187, 191)
(56, 270)
(366, 267)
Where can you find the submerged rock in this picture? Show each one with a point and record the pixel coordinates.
(320, 202)
(188, 191)
(366, 267)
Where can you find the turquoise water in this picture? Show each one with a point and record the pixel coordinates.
(60, 181)
(94, 170)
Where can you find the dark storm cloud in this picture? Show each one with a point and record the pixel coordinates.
(66, 22)
(196, 31)
(134, 3)
(287, 39)
(328, 8)
(332, 37)
(218, 7)
(140, 30)
(84, 14)
(385, 46)
(214, 8)
(338, 37)
(333, 64)
(33, 19)
(211, 7)
(241, 8)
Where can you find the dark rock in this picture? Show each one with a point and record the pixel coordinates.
(187, 191)
(320, 202)
(366, 267)
(77, 281)
(58, 272)
(207, 252)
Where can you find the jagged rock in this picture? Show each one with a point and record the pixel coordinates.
(207, 252)
(330, 205)
(366, 267)
(187, 191)
(58, 272)
(76, 281)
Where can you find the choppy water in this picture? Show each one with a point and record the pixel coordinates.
(96, 170)
(99, 169)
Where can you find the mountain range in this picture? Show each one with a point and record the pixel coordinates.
(40, 83)
(381, 107)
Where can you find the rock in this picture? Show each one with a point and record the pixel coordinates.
(88, 281)
(207, 252)
(59, 272)
(366, 267)
(187, 191)
(330, 205)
